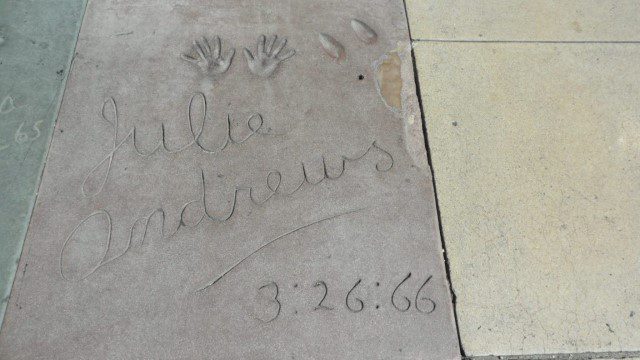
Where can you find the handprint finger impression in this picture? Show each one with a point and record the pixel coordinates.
(269, 54)
(209, 60)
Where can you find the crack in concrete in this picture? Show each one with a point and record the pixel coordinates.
(433, 180)
(548, 356)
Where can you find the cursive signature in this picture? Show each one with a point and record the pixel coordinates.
(273, 182)
(109, 114)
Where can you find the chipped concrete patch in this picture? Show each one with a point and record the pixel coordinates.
(395, 83)
(389, 80)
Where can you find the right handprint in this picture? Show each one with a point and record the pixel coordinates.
(268, 56)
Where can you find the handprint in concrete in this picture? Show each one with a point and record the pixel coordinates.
(268, 56)
(209, 59)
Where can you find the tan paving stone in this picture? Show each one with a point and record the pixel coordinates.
(536, 153)
(601, 20)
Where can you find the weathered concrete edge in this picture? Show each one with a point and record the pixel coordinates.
(421, 126)
(623, 42)
(49, 136)
(567, 356)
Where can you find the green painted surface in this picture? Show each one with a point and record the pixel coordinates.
(37, 41)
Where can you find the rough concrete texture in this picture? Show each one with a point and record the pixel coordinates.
(535, 149)
(626, 355)
(36, 43)
(542, 20)
(268, 202)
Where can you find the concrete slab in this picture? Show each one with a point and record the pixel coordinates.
(535, 149)
(571, 356)
(541, 20)
(236, 197)
(36, 43)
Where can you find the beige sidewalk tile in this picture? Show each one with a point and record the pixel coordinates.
(536, 154)
(586, 20)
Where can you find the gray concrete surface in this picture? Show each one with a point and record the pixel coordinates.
(266, 203)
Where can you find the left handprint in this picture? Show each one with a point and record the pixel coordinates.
(209, 59)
